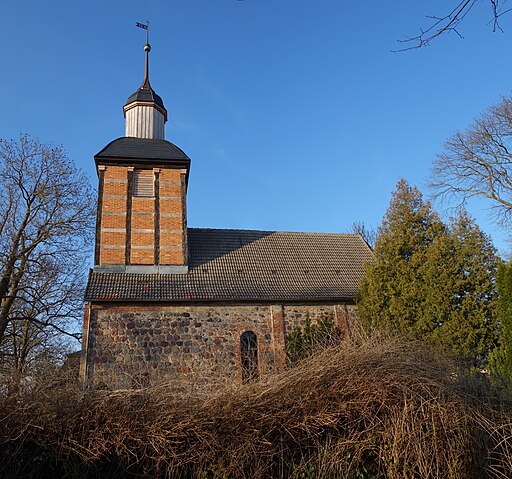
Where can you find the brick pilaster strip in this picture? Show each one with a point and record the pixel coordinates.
(129, 195)
(278, 326)
(184, 240)
(341, 314)
(157, 216)
(85, 360)
(99, 209)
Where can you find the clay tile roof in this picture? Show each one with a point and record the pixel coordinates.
(244, 265)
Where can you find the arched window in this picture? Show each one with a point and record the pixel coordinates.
(249, 356)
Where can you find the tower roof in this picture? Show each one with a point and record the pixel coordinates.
(146, 94)
(143, 152)
(142, 148)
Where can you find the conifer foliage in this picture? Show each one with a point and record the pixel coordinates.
(432, 281)
(502, 357)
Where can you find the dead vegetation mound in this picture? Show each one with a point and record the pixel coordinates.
(381, 409)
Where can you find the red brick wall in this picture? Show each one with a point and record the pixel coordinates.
(156, 227)
(172, 218)
(112, 239)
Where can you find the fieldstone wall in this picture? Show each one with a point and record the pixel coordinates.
(190, 347)
(296, 316)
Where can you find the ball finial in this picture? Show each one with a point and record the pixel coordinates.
(147, 47)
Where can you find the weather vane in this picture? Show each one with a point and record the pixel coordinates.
(144, 26)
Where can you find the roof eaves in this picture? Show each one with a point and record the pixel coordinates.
(249, 300)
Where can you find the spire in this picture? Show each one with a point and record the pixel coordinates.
(144, 111)
(145, 84)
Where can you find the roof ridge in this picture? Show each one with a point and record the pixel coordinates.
(274, 231)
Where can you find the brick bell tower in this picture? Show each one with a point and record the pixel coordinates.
(141, 224)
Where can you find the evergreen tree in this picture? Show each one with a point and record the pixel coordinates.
(501, 362)
(432, 282)
(392, 293)
(461, 300)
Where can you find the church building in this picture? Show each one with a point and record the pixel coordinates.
(191, 306)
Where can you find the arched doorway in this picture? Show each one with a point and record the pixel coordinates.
(249, 356)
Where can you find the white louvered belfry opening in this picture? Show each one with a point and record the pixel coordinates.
(143, 183)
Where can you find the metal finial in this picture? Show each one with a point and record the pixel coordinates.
(145, 83)
(147, 49)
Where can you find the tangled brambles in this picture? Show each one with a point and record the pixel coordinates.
(378, 409)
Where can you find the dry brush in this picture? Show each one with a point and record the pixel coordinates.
(378, 409)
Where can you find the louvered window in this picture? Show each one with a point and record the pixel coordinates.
(143, 183)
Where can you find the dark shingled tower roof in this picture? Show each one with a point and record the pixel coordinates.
(145, 149)
(146, 95)
(248, 266)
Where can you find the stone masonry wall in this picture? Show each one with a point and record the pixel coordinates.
(296, 316)
(130, 346)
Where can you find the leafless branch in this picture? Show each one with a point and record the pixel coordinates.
(478, 163)
(47, 211)
(451, 22)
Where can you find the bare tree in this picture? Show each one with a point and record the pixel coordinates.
(478, 162)
(46, 313)
(46, 219)
(368, 233)
(451, 21)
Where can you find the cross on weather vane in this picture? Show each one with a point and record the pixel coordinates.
(144, 26)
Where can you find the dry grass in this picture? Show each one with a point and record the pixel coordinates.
(380, 409)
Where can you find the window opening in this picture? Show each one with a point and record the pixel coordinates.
(143, 183)
(249, 356)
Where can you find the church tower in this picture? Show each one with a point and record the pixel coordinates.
(141, 220)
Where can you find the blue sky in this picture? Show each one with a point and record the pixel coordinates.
(296, 114)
